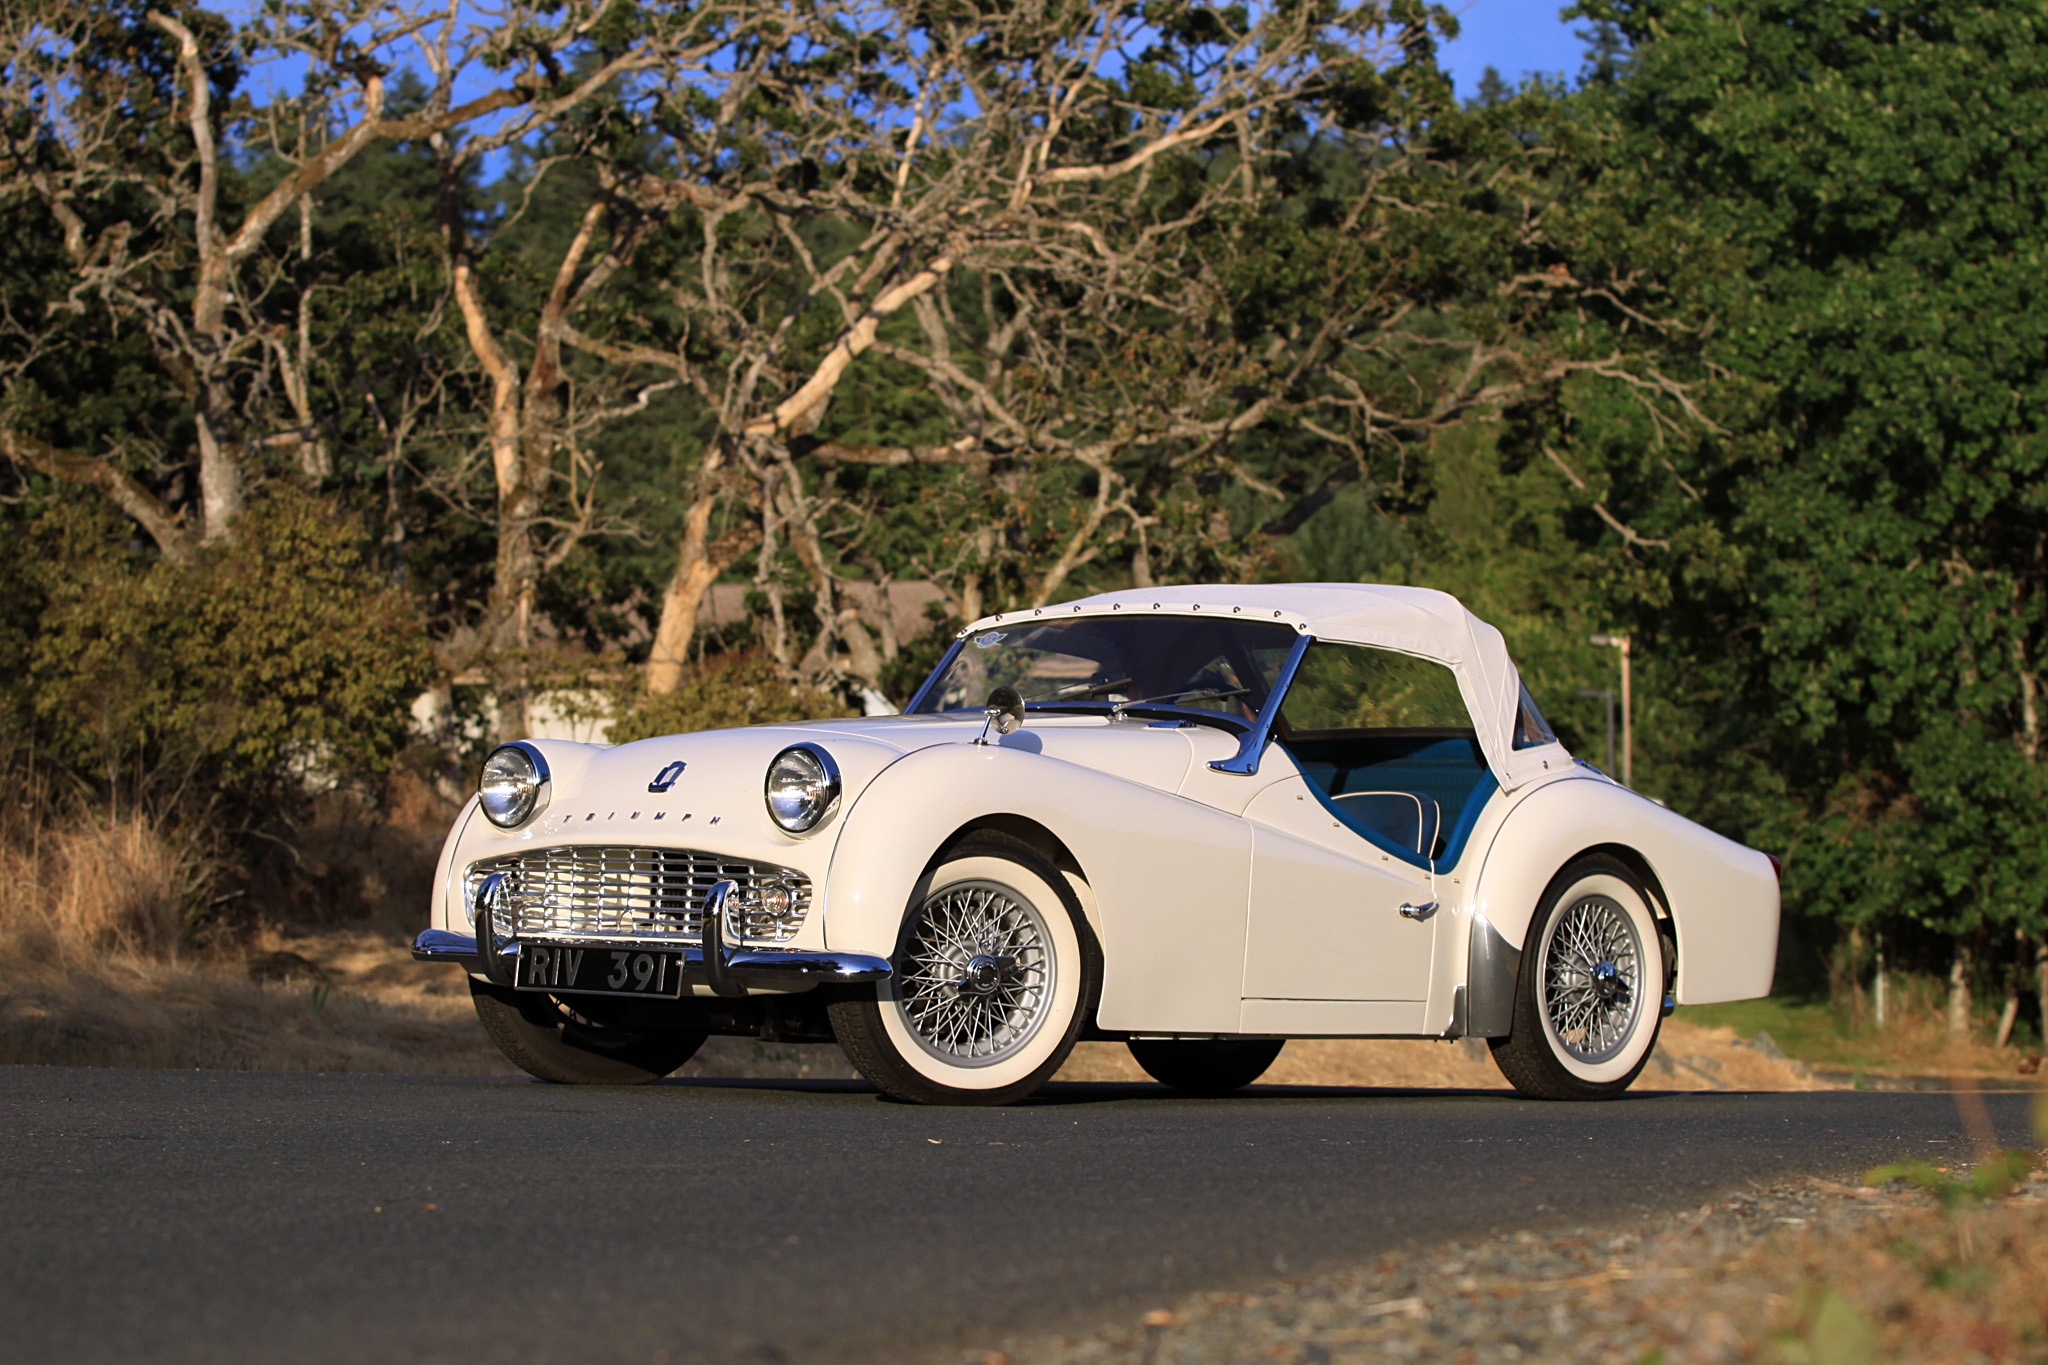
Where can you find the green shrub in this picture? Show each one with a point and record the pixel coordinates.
(266, 665)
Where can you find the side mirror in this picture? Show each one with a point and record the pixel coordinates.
(1004, 713)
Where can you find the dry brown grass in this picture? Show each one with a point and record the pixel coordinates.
(96, 912)
(97, 884)
(1917, 1284)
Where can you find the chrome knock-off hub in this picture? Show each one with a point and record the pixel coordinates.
(986, 973)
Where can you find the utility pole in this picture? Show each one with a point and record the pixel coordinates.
(1628, 748)
(1606, 696)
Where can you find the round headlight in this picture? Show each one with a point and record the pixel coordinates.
(510, 789)
(802, 785)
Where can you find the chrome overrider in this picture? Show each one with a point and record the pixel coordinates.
(727, 971)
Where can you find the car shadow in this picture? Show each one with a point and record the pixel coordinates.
(1056, 1094)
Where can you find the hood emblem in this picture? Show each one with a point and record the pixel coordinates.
(666, 778)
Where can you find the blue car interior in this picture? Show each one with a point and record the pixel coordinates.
(1415, 793)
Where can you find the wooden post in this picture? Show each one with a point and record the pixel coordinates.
(1628, 742)
(1628, 748)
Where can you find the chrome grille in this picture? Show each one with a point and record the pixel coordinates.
(640, 893)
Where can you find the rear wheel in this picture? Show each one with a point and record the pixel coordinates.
(1203, 1066)
(993, 971)
(1589, 997)
(547, 1037)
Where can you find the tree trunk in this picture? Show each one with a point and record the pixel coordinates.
(2041, 977)
(1855, 976)
(220, 475)
(694, 575)
(1959, 994)
(2006, 1018)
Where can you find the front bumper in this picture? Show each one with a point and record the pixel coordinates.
(740, 966)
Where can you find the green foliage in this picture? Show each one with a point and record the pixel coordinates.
(1355, 687)
(1845, 202)
(1839, 1334)
(723, 690)
(270, 661)
(1987, 1179)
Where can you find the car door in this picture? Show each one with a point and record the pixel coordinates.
(1325, 915)
(1342, 841)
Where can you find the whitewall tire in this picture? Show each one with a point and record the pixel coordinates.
(1590, 993)
(992, 977)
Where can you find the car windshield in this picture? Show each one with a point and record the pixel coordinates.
(1215, 665)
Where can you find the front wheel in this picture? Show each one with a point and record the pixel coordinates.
(993, 971)
(1205, 1066)
(548, 1038)
(1589, 997)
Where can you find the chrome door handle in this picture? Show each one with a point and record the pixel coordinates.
(1418, 912)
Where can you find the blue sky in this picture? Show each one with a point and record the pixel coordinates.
(1518, 36)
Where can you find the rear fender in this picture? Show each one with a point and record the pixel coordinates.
(1722, 896)
(1169, 878)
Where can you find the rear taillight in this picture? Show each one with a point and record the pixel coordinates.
(1777, 866)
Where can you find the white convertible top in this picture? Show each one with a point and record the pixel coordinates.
(1419, 621)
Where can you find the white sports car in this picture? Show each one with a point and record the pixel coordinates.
(1198, 820)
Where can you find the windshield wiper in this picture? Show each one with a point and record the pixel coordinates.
(1189, 694)
(1080, 690)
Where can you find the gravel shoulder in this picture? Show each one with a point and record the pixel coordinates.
(1802, 1271)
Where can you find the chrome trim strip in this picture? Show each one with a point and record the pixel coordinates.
(1492, 970)
(765, 965)
(1252, 744)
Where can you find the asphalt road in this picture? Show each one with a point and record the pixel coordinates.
(224, 1217)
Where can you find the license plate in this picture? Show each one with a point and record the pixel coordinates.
(595, 969)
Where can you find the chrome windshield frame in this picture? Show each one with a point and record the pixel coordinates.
(1251, 746)
(931, 678)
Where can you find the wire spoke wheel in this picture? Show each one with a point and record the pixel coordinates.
(977, 974)
(1590, 978)
(994, 971)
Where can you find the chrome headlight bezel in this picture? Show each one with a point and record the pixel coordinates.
(522, 785)
(817, 788)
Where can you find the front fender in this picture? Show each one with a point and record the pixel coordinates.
(1170, 877)
(1723, 896)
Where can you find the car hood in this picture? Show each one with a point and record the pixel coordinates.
(603, 794)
